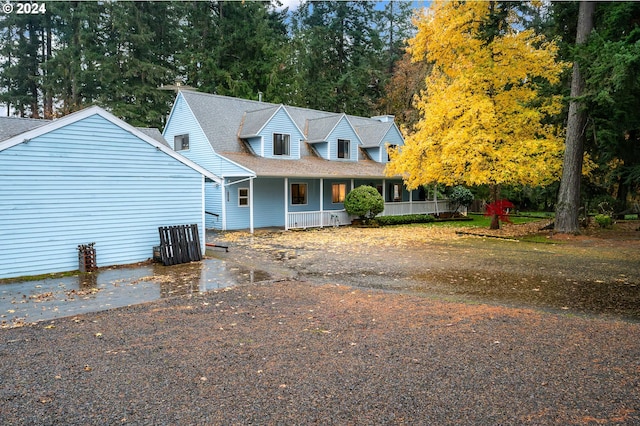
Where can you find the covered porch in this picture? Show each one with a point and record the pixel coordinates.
(400, 205)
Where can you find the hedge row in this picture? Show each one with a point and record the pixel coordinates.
(403, 220)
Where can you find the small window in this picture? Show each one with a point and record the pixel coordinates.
(343, 148)
(280, 144)
(181, 142)
(338, 192)
(243, 197)
(397, 192)
(298, 193)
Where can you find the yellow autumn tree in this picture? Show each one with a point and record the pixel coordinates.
(483, 116)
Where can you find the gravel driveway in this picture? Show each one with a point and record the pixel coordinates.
(322, 352)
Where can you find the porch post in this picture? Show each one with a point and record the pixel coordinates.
(384, 190)
(435, 197)
(223, 194)
(251, 205)
(286, 204)
(321, 203)
(411, 201)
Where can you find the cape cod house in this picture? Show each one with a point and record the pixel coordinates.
(90, 177)
(284, 166)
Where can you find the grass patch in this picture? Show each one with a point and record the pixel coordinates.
(55, 275)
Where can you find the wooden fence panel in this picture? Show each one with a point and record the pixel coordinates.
(179, 244)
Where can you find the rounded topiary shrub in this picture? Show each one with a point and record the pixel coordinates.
(364, 201)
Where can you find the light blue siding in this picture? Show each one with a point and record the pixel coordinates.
(90, 181)
(393, 137)
(313, 195)
(281, 123)
(327, 197)
(237, 217)
(343, 131)
(375, 154)
(200, 151)
(256, 145)
(213, 204)
(269, 202)
(322, 148)
(183, 122)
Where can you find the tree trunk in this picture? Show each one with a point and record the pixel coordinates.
(569, 194)
(494, 191)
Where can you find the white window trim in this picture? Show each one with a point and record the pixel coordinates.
(273, 142)
(347, 151)
(345, 192)
(240, 197)
(182, 135)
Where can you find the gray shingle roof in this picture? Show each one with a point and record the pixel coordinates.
(254, 121)
(318, 129)
(224, 120)
(155, 134)
(373, 133)
(310, 167)
(12, 126)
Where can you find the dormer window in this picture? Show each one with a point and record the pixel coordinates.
(181, 142)
(343, 148)
(280, 144)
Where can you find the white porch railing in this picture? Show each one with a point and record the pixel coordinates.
(416, 207)
(319, 219)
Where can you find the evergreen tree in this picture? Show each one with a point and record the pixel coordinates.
(22, 37)
(341, 55)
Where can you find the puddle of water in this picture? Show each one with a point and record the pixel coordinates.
(618, 296)
(32, 301)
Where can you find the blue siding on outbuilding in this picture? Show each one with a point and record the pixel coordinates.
(89, 181)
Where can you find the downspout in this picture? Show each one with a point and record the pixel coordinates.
(223, 194)
(251, 205)
(286, 204)
(203, 231)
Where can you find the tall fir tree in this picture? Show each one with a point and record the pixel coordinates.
(341, 55)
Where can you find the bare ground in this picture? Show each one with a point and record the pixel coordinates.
(317, 351)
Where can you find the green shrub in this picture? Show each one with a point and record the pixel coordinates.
(603, 220)
(406, 219)
(365, 202)
(461, 196)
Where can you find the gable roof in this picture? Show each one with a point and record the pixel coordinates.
(374, 133)
(155, 134)
(254, 121)
(224, 119)
(319, 129)
(50, 126)
(12, 126)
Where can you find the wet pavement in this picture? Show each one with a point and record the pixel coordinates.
(586, 279)
(107, 288)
